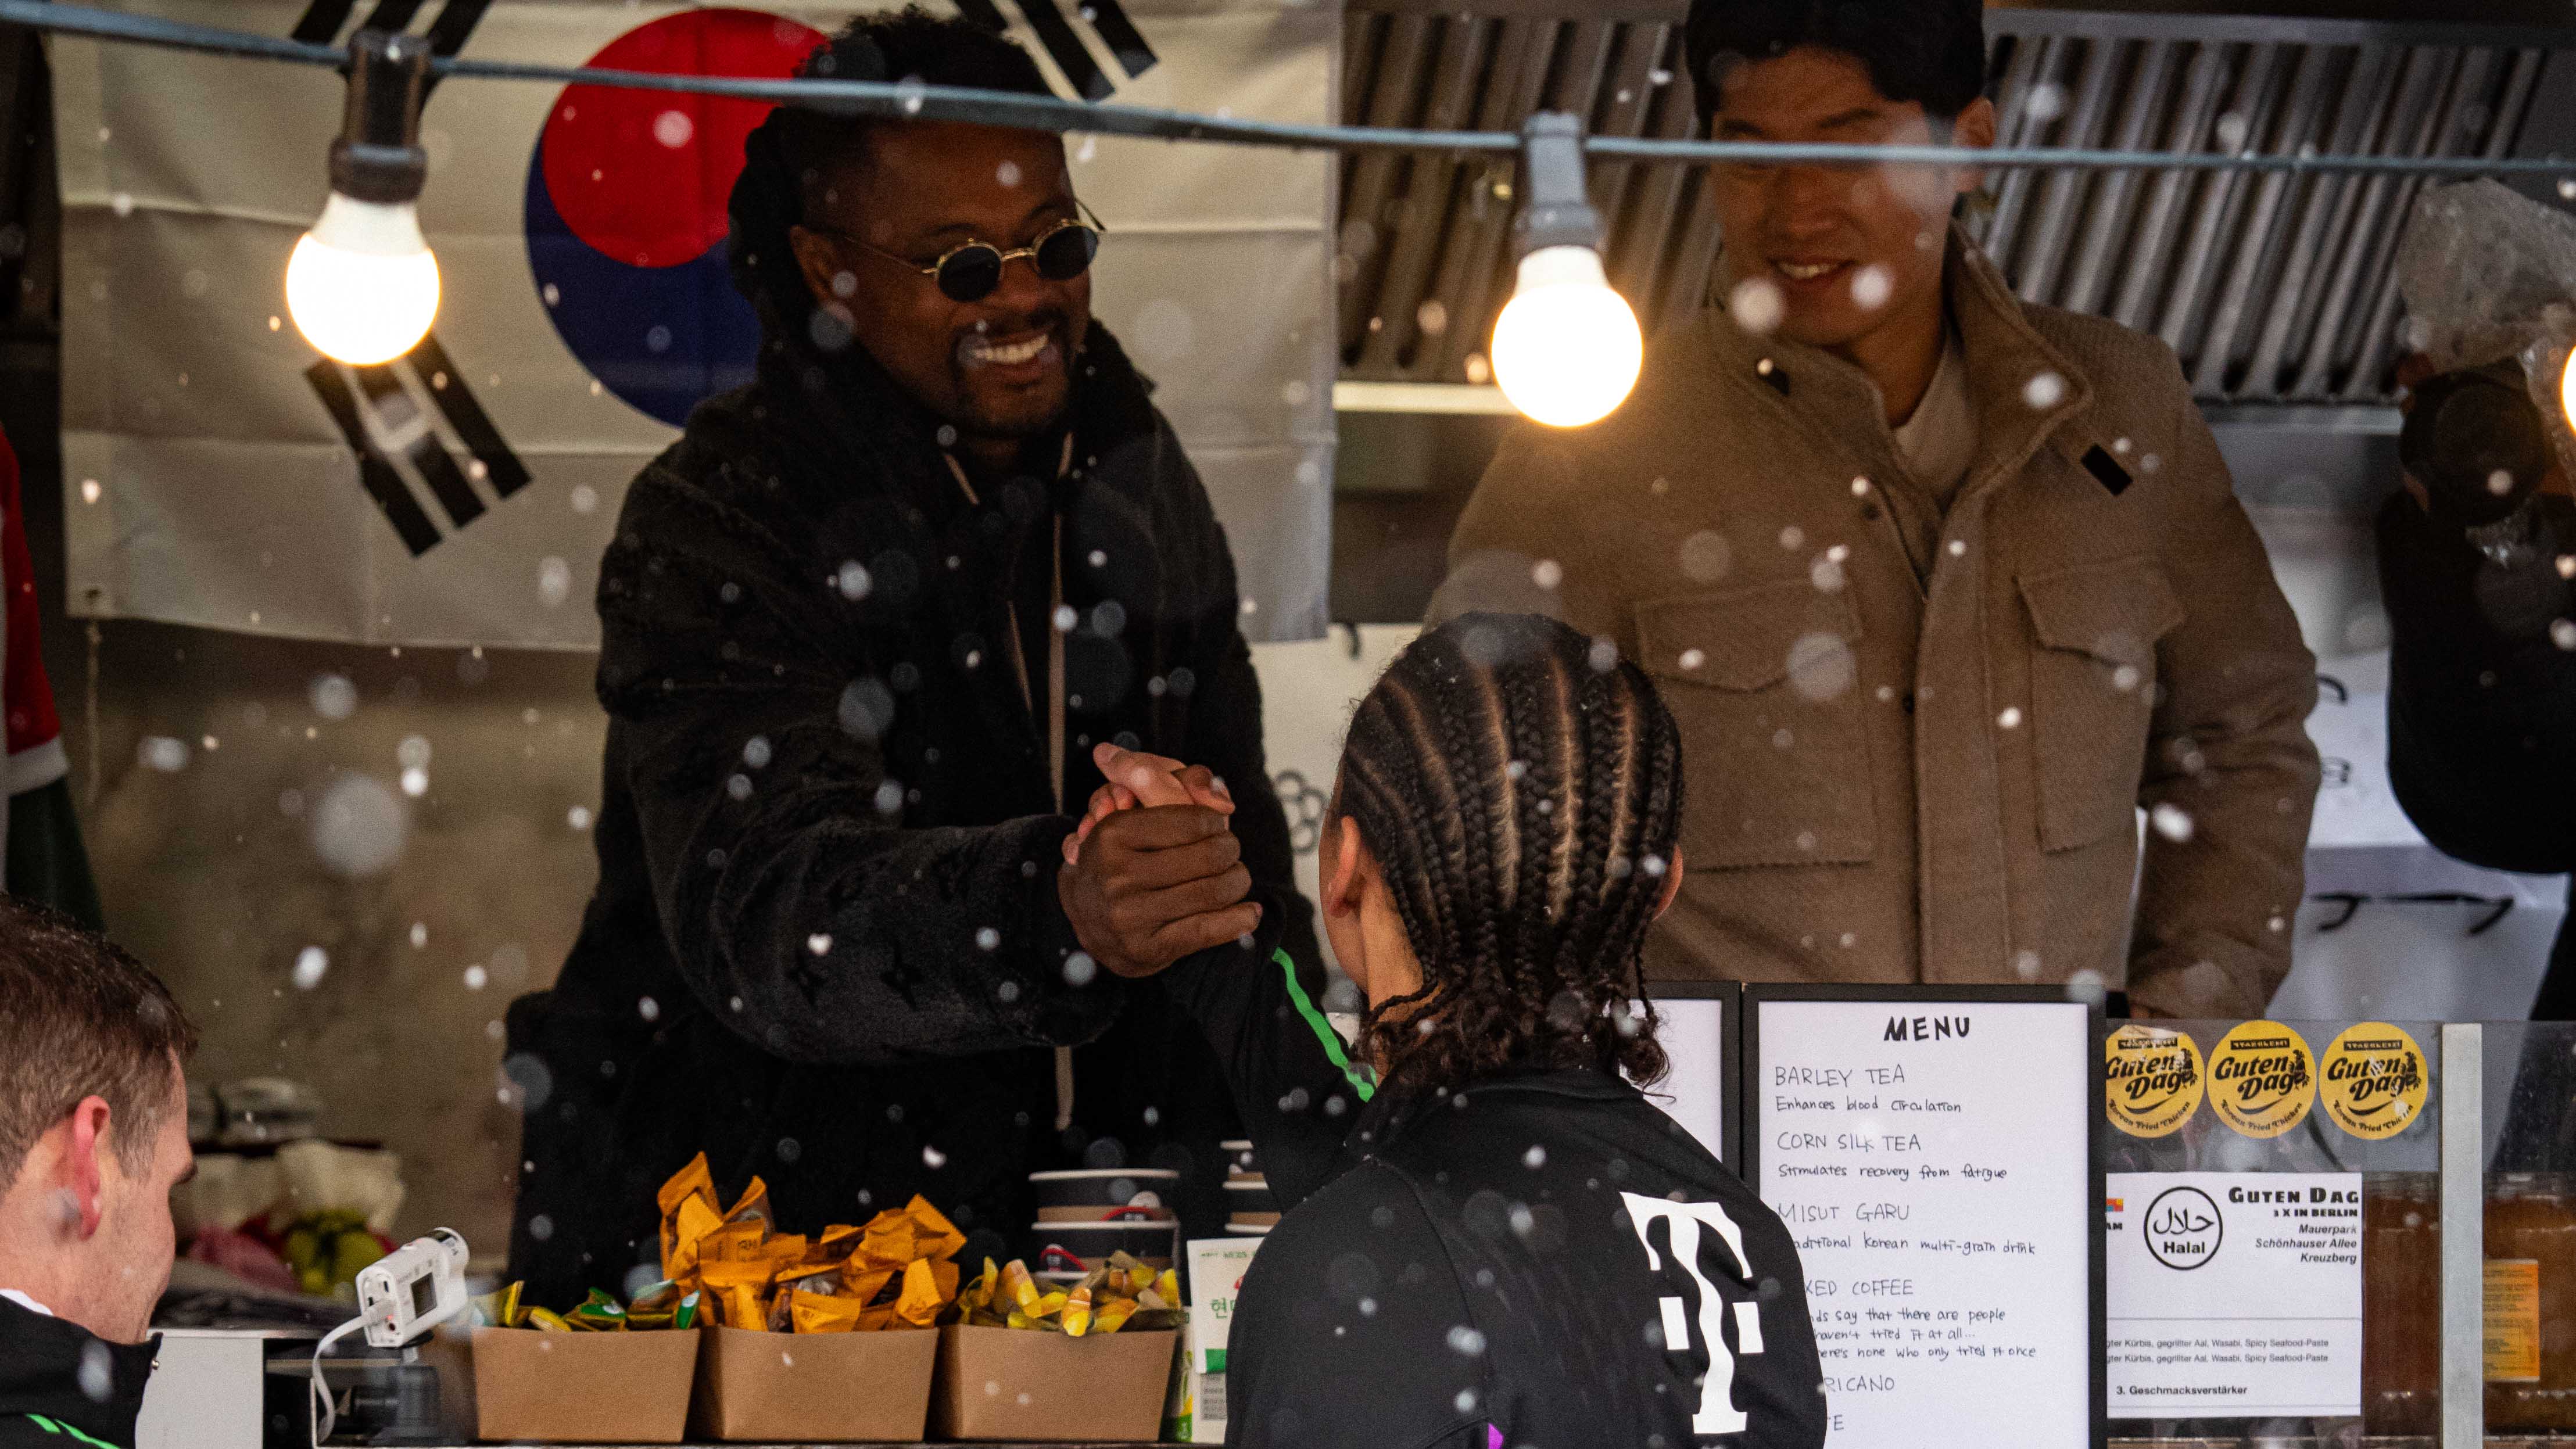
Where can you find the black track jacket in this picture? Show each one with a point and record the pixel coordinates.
(1543, 1259)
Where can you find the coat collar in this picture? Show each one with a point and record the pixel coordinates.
(41, 1359)
(2004, 353)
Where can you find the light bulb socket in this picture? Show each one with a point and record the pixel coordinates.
(378, 155)
(1559, 212)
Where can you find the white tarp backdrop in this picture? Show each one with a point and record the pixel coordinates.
(215, 476)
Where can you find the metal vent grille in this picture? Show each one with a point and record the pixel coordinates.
(2274, 288)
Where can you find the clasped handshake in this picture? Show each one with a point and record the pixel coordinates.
(1154, 872)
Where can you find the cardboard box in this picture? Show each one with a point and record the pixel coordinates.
(1012, 1383)
(583, 1388)
(813, 1387)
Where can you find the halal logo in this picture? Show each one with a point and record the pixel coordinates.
(2184, 1228)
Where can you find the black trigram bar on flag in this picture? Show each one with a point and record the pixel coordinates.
(326, 22)
(380, 415)
(1064, 45)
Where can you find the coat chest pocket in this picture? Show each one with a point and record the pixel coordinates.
(2093, 691)
(1765, 684)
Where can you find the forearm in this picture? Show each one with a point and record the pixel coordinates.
(1293, 1082)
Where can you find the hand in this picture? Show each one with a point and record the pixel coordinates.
(1138, 779)
(1152, 884)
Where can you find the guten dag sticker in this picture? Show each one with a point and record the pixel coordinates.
(2151, 1080)
(2373, 1080)
(2262, 1079)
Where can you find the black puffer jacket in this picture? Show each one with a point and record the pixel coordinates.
(826, 945)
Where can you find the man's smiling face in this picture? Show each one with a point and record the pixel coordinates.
(997, 368)
(1850, 249)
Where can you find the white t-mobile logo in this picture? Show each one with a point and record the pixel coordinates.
(1717, 1412)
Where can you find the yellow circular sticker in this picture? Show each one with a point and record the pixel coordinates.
(2152, 1080)
(2262, 1079)
(2373, 1080)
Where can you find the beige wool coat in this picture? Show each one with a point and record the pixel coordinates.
(1915, 745)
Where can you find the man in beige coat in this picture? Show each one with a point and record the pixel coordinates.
(1943, 588)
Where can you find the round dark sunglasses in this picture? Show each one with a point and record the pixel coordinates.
(972, 272)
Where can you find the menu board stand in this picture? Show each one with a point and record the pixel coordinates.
(1936, 1152)
(1702, 1037)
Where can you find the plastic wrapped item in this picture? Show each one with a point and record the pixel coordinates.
(2485, 271)
(2489, 275)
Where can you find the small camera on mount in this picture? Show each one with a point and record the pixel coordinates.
(413, 1289)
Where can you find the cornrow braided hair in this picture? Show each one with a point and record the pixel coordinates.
(1521, 788)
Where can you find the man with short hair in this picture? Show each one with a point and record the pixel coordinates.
(863, 627)
(93, 1136)
(1947, 586)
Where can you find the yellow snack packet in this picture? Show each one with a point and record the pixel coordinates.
(740, 1291)
(752, 1206)
(691, 1181)
(823, 1313)
(926, 1290)
(1113, 1316)
(1050, 1304)
(686, 1237)
(1167, 1286)
(735, 1243)
(1077, 1312)
(546, 1320)
(691, 1184)
(1018, 1291)
(499, 1308)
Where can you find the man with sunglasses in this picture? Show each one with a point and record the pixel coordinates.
(863, 628)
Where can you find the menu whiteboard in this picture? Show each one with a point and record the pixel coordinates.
(1934, 1159)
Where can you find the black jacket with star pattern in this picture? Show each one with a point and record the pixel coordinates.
(826, 946)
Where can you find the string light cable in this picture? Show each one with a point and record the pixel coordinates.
(369, 285)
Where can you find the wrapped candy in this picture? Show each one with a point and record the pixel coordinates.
(1109, 1298)
(891, 1272)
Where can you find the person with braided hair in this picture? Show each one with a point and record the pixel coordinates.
(1520, 1248)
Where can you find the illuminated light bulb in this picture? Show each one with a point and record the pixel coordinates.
(1567, 349)
(362, 286)
(2567, 389)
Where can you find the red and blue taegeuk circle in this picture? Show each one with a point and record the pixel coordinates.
(626, 209)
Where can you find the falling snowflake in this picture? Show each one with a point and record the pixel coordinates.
(2044, 391)
(333, 696)
(310, 965)
(2172, 822)
(1871, 287)
(1757, 305)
